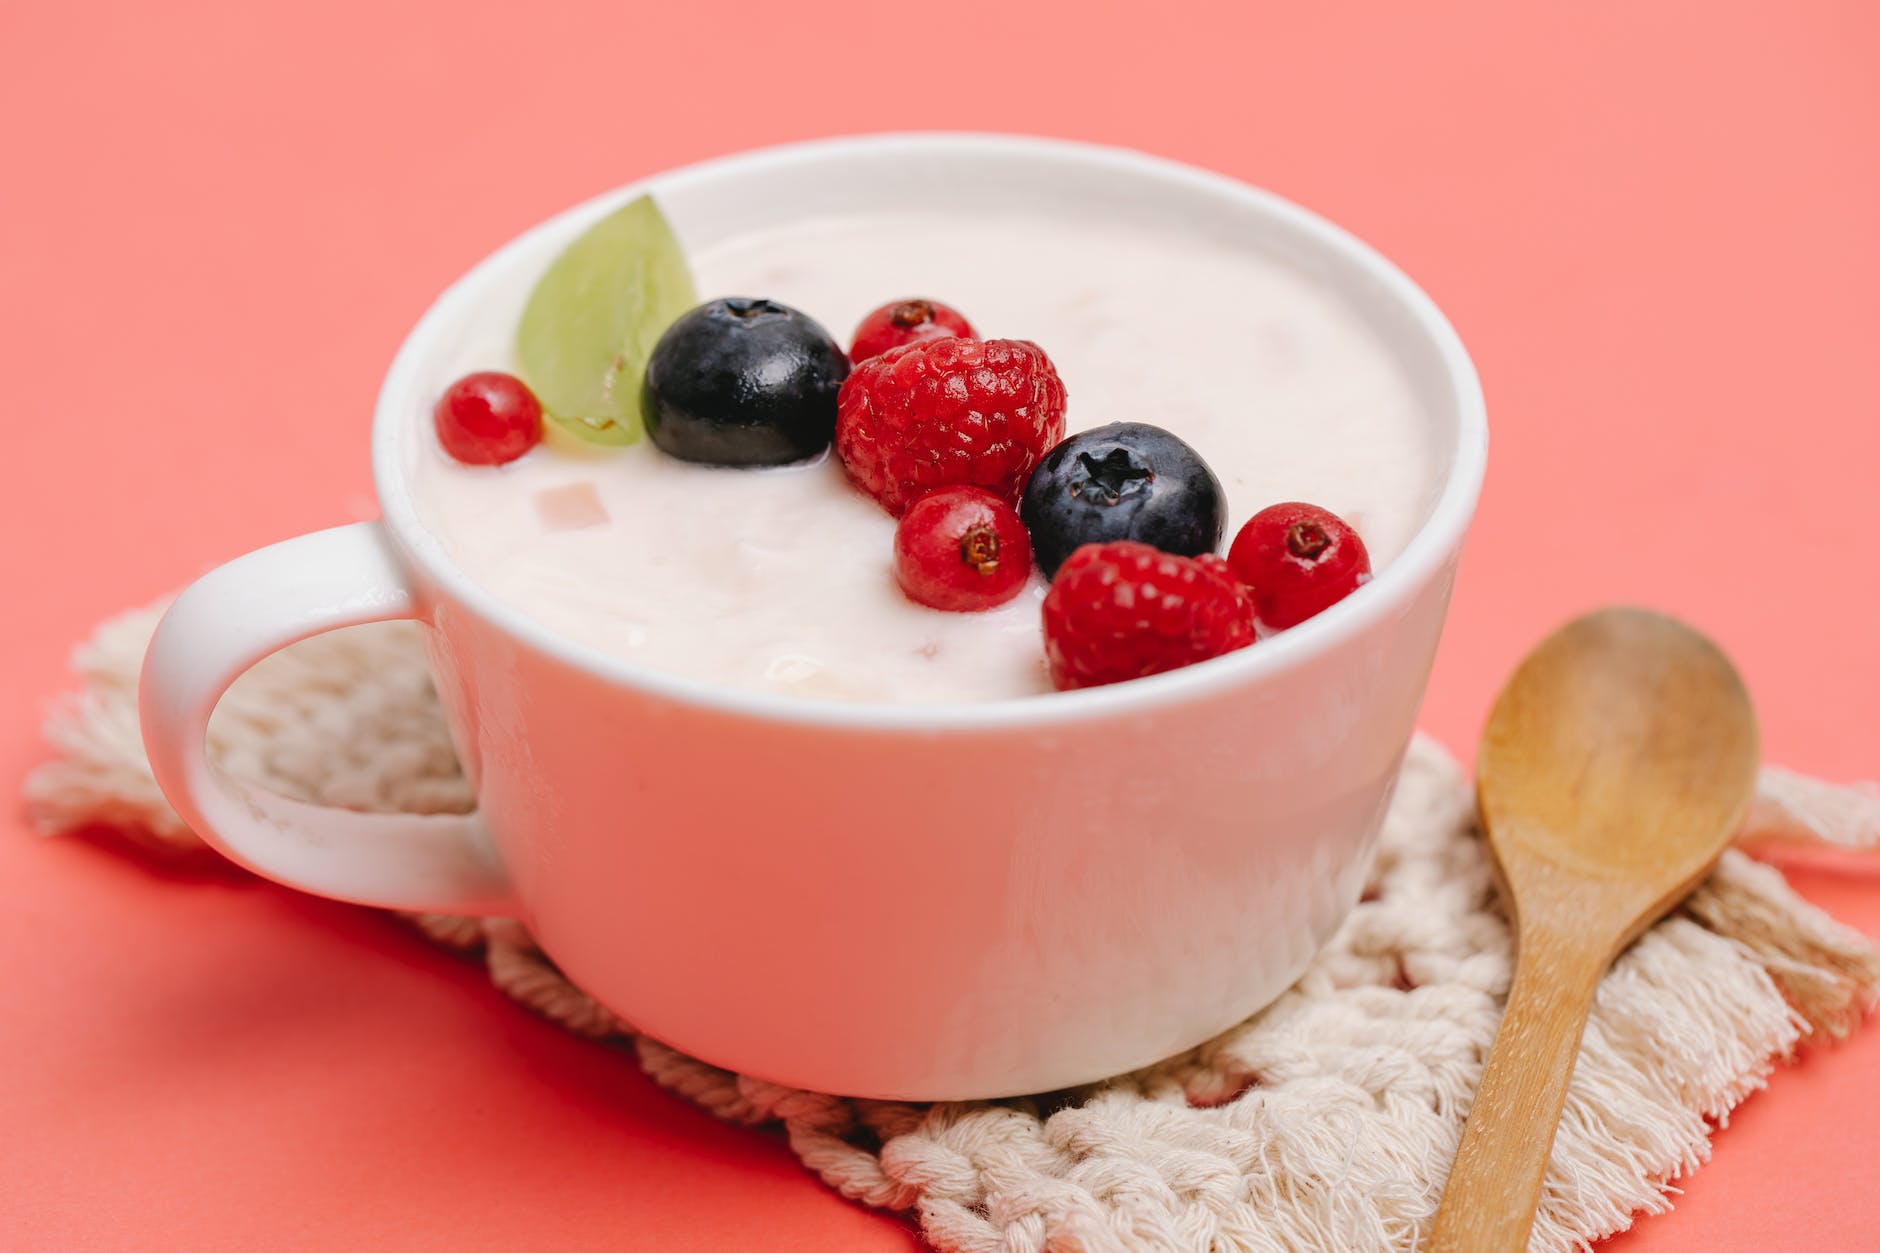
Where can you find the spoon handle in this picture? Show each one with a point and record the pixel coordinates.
(1488, 1203)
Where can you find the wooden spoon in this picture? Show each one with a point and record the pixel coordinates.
(1616, 766)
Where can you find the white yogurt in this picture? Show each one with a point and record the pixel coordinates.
(780, 579)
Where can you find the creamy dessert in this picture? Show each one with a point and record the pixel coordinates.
(782, 579)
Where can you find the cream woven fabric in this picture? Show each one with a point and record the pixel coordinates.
(1326, 1122)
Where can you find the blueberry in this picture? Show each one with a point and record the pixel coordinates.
(743, 382)
(1127, 480)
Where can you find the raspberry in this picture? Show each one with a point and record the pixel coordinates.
(1124, 610)
(904, 322)
(1299, 560)
(961, 548)
(947, 413)
(488, 418)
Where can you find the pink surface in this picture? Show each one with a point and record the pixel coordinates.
(1653, 224)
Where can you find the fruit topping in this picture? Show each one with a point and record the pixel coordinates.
(1127, 480)
(488, 418)
(904, 322)
(1299, 560)
(593, 319)
(743, 382)
(570, 507)
(948, 412)
(961, 548)
(1123, 610)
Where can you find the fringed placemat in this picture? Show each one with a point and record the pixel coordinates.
(1325, 1122)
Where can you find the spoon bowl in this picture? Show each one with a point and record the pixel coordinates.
(1622, 756)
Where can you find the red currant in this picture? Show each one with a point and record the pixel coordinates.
(904, 322)
(961, 548)
(1299, 560)
(488, 418)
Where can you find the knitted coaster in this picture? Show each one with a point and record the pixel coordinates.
(1325, 1122)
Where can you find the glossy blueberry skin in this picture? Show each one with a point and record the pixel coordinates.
(1127, 480)
(744, 382)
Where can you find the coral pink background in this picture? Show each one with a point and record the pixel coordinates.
(1653, 223)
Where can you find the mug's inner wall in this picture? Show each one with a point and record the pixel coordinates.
(708, 211)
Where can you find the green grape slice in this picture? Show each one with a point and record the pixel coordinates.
(593, 319)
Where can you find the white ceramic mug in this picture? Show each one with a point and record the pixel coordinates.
(892, 901)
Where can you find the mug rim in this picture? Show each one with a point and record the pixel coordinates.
(1440, 534)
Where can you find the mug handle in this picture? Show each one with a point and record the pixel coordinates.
(224, 623)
